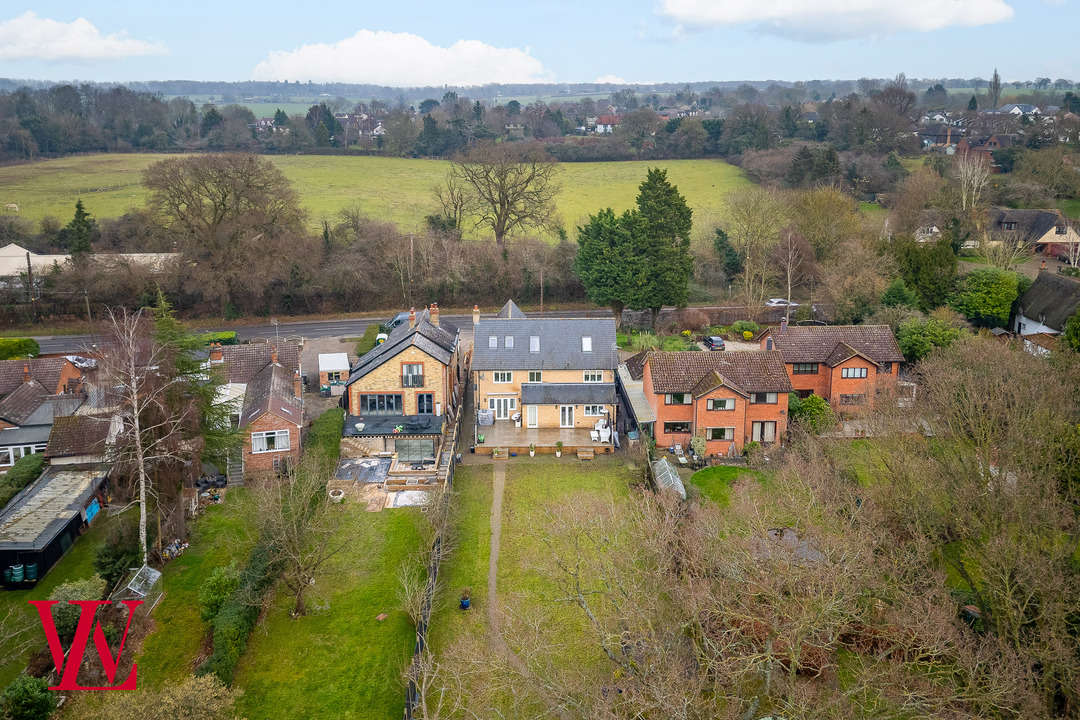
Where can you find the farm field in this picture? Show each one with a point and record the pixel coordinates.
(389, 189)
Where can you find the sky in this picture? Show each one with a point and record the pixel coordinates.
(473, 42)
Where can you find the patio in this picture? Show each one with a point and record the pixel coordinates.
(503, 434)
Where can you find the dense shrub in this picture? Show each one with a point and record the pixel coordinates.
(368, 341)
(65, 615)
(741, 326)
(239, 613)
(28, 698)
(215, 590)
(26, 470)
(224, 338)
(324, 436)
(121, 550)
(692, 320)
(18, 348)
(644, 341)
(812, 414)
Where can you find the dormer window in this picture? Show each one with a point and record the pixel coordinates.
(1008, 226)
(508, 341)
(493, 341)
(586, 343)
(534, 343)
(1060, 229)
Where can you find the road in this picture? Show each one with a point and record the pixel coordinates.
(71, 344)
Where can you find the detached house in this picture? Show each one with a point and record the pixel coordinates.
(544, 380)
(399, 394)
(729, 398)
(1046, 306)
(848, 365)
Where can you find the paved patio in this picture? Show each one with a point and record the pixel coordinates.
(503, 434)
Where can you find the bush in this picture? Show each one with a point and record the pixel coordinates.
(622, 339)
(224, 338)
(28, 698)
(813, 414)
(751, 449)
(18, 348)
(367, 342)
(324, 436)
(644, 341)
(121, 551)
(215, 590)
(65, 615)
(747, 335)
(743, 326)
(692, 320)
(26, 470)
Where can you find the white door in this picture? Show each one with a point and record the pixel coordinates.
(566, 416)
(503, 407)
(532, 416)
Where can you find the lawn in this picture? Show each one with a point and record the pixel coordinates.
(219, 537)
(76, 565)
(339, 660)
(714, 483)
(391, 189)
(1071, 208)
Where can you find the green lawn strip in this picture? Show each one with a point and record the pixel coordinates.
(76, 565)
(467, 565)
(715, 482)
(338, 661)
(220, 537)
(1071, 208)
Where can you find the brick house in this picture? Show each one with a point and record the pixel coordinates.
(56, 375)
(262, 384)
(848, 365)
(26, 418)
(544, 373)
(730, 398)
(399, 394)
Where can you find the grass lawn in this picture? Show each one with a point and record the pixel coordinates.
(219, 537)
(338, 661)
(870, 208)
(78, 564)
(1071, 208)
(715, 482)
(390, 189)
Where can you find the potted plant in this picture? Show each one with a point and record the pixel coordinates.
(532, 449)
(466, 598)
(558, 448)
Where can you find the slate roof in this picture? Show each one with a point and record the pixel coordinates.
(243, 362)
(26, 435)
(635, 365)
(271, 390)
(568, 394)
(78, 435)
(1052, 299)
(45, 370)
(560, 344)
(745, 372)
(819, 344)
(510, 311)
(18, 405)
(1030, 224)
(438, 342)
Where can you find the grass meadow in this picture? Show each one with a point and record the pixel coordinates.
(396, 190)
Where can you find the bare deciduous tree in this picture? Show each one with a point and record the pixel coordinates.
(754, 219)
(972, 172)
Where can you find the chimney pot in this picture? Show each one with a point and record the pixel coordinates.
(475, 314)
(412, 318)
(273, 354)
(26, 372)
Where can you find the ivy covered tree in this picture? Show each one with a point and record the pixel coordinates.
(919, 336)
(813, 414)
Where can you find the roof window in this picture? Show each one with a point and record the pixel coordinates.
(508, 341)
(493, 341)
(534, 343)
(586, 343)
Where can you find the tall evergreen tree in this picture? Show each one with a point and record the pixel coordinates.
(80, 231)
(666, 244)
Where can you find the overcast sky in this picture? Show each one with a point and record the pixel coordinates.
(466, 42)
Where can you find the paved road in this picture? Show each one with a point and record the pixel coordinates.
(54, 344)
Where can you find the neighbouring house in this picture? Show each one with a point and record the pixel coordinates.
(1018, 109)
(399, 395)
(26, 418)
(729, 398)
(261, 382)
(984, 147)
(539, 381)
(1047, 305)
(1048, 232)
(606, 124)
(83, 439)
(15, 258)
(57, 375)
(333, 373)
(848, 365)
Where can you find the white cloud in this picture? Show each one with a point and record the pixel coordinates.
(403, 60)
(820, 20)
(611, 80)
(30, 37)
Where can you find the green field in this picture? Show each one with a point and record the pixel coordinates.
(390, 189)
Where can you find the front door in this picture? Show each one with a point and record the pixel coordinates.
(502, 406)
(532, 416)
(566, 416)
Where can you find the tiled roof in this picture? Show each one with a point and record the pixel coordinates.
(560, 344)
(78, 435)
(437, 341)
(271, 390)
(818, 344)
(635, 365)
(45, 370)
(568, 394)
(1030, 224)
(751, 371)
(243, 362)
(22, 402)
(1052, 299)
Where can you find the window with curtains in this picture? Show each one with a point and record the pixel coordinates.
(678, 399)
(270, 441)
(720, 404)
(854, 372)
(762, 398)
(720, 433)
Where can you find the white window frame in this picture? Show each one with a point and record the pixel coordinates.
(265, 435)
(12, 453)
(534, 343)
(687, 399)
(532, 416)
(507, 376)
(586, 343)
(536, 376)
(408, 379)
(770, 398)
(493, 341)
(508, 341)
(677, 432)
(726, 404)
(853, 373)
(729, 433)
(593, 410)
(593, 376)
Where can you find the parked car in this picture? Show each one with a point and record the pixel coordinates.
(714, 342)
(401, 317)
(780, 302)
(1062, 257)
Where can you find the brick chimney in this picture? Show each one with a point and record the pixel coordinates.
(412, 318)
(434, 314)
(297, 388)
(475, 314)
(273, 355)
(216, 354)
(26, 372)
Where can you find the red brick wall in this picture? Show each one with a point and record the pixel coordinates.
(705, 418)
(768, 412)
(852, 386)
(68, 373)
(264, 462)
(666, 413)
